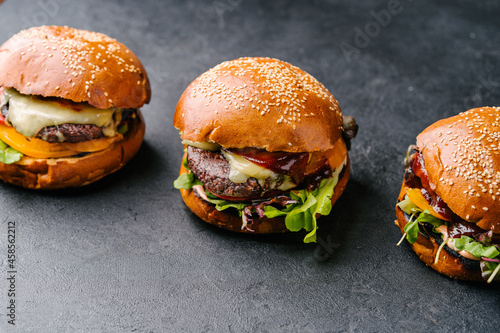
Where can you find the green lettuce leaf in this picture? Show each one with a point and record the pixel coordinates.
(302, 215)
(426, 217)
(475, 248)
(411, 229)
(8, 155)
(184, 181)
(187, 180)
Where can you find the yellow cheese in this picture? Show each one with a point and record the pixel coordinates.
(29, 114)
(240, 169)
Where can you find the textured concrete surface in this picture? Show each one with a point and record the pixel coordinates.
(125, 255)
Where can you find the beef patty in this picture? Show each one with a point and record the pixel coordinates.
(212, 169)
(70, 132)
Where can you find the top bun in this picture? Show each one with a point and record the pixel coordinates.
(73, 64)
(462, 159)
(259, 102)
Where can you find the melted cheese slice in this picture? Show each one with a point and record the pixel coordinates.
(240, 169)
(29, 114)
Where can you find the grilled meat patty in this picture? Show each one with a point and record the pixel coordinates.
(212, 169)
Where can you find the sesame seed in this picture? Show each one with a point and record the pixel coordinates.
(76, 56)
(275, 88)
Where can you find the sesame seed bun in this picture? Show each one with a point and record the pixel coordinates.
(77, 65)
(270, 105)
(228, 219)
(462, 159)
(56, 173)
(259, 102)
(83, 67)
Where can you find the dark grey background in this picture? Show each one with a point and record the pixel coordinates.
(125, 255)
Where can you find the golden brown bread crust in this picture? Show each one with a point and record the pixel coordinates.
(74, 64)
(54, 173)
(228, 219)
(462, 160)
(426, 250)
(259, 102)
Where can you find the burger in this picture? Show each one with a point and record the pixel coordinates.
(69, 104)
(265, 147)
(449, 205)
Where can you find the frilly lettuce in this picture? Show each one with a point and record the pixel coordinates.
(302, 215)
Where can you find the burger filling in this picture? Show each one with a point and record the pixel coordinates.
(227, 174)
(255, 182)
(29, 124)
(429, 216)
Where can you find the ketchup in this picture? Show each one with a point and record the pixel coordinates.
(313, 179)
(290, 164)
(459, 228)
(416, 177)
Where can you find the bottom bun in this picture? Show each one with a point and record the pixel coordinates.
(230, 220)
(56, 173)
(449, 264)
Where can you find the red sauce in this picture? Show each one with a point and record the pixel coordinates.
(313, 179)
(459, 228)
(291, 164)
(437, 204)
(416, 177)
